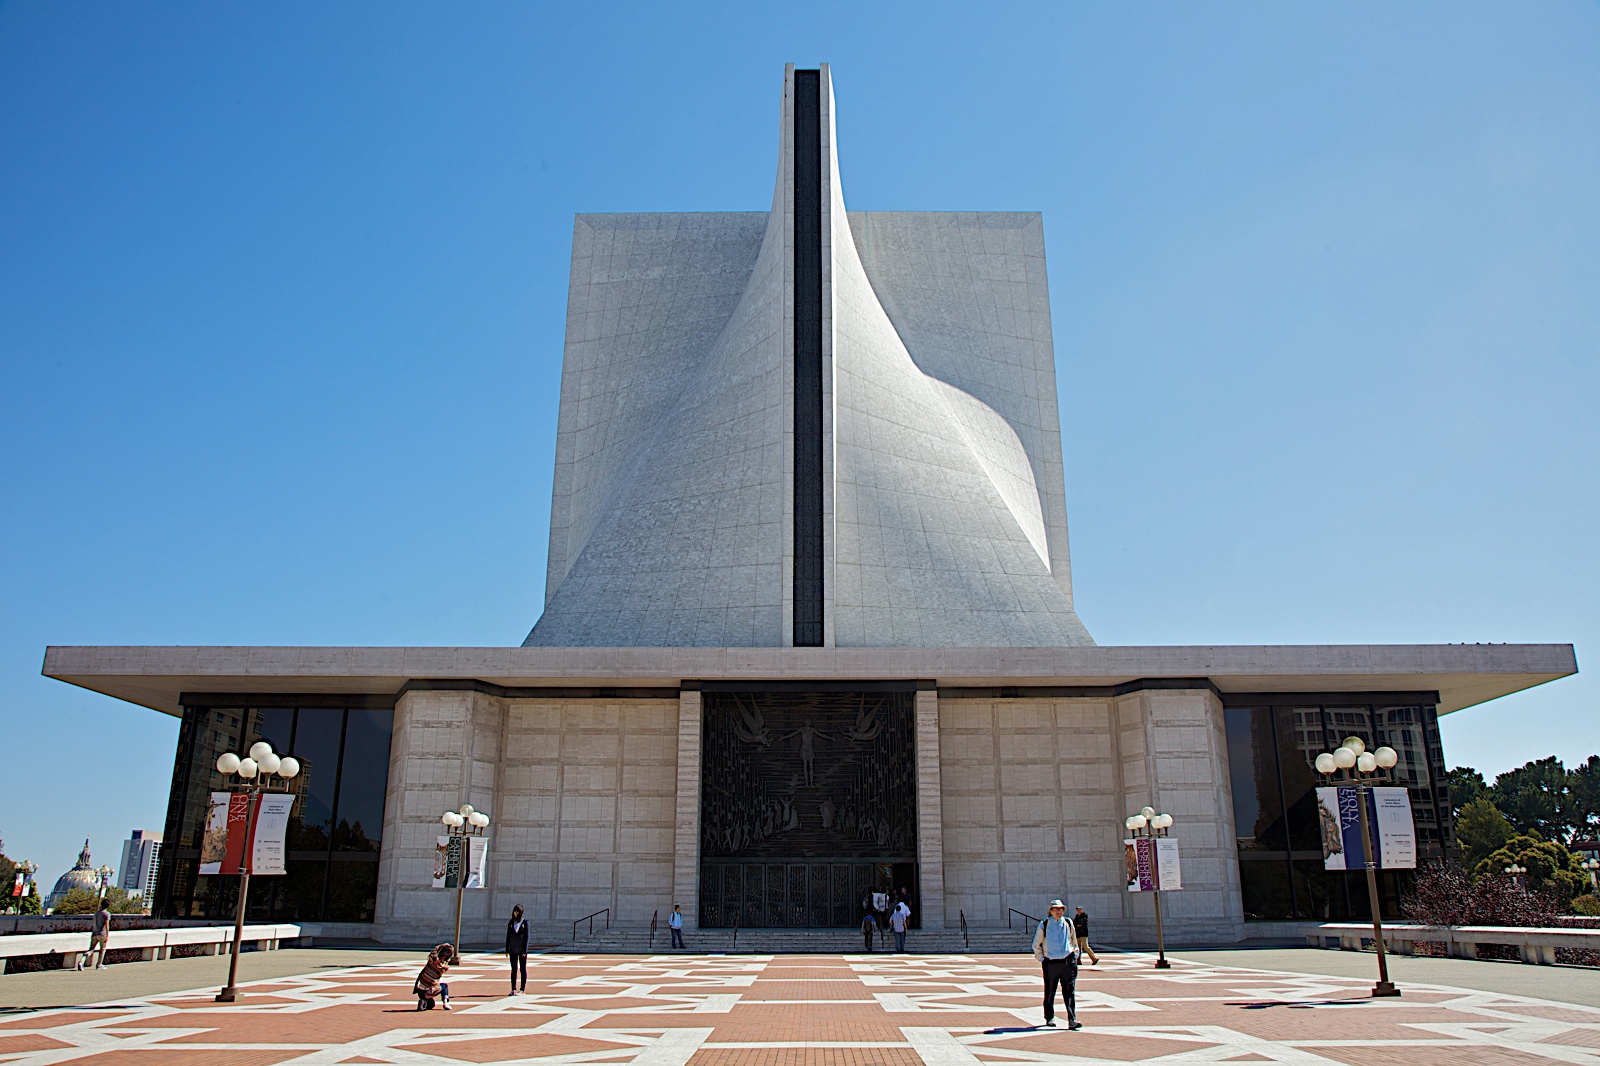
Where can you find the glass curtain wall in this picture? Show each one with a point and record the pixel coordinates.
(1272, 744)
(335, 827)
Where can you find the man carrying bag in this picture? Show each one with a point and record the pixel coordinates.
(1055, 945)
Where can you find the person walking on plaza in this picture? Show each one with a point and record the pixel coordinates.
(517, 949)
(675, 923)
(1055, 945)
(869, 925)
(898, 922)
(99, 934)
(1080, 926)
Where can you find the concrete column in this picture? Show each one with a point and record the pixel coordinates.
(930, 811)
(686, 843)
(445, 752)
(1173, 755)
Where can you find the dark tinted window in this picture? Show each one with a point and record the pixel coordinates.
(363, 781)
(316, 745)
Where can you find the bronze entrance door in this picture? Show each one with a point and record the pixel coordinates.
(807, 806)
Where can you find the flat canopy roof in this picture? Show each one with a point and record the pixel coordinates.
(1462, 674)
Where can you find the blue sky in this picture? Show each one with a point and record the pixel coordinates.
(282, 292)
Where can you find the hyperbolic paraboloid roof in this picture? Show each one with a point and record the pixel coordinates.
(943, 514)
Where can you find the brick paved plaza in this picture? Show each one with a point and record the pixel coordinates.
(724, 1010)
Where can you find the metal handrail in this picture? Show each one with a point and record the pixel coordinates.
(964, 940)
(735, 942)
(590, 919)
(1031, 919)
(653, 916)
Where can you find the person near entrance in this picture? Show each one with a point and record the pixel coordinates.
(517, 949)
(898, 922)
(1055, 945)
(675, 923)
(869, 926)
(1080, 926)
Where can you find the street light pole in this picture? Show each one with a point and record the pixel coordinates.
(1516, 873)
(462, 824)
(1361, 767)
(1148, 824)
(255, 771)
(27, 869)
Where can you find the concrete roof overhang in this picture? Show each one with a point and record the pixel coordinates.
(1462, 674)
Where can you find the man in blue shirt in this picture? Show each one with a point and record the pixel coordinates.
(675, 923)
(1055, 945)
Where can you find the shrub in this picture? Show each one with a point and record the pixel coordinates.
(1551, 867)
(1589, 904)
(1443, 895)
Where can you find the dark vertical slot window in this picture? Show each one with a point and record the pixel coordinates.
(1300, 731)
(316, 745)
(1257, 803)
(808, 577)
(363, 780)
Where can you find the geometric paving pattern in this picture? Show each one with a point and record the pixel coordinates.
(871, 1010)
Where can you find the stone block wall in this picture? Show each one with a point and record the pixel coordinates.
(582, 794)
(587, 808)
(1035, 791)
(1029, 802)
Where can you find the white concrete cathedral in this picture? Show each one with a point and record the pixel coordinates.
(809, 634)
(942, 509)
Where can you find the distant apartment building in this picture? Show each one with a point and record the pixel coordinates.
(141, 859)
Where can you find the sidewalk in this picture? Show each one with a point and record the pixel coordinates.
(1568, 984)
(816, 1010)
(132, 980)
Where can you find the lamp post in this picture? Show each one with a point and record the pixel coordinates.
(27, 869)
(262, 770)
(1515, 872)
(1592, 866)
(1356, 764)
(1147, 823)
(464, 823)
(103, 875)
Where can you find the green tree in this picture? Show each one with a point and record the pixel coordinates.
(1537, 797)
(1482, 829)
(77, 901)
(1550, 865)
(1584, 783)
(119, 902)
(1464, 785)
(31, 903)
(8, 880)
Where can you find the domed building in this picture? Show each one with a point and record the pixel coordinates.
(81, 875)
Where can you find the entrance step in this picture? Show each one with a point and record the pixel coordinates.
(799, 942)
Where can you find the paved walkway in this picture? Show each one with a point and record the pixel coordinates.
(872, 1010)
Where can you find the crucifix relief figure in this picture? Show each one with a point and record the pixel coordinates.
(808, 748)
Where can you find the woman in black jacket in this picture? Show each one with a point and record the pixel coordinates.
(517, 949)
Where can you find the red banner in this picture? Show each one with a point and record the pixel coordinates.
(238, 834)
